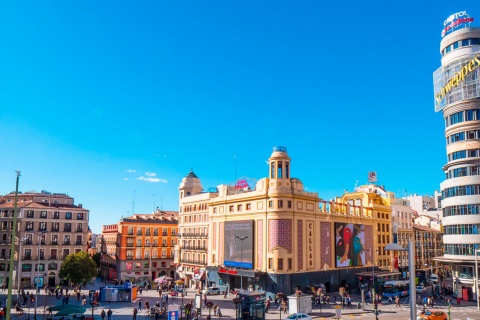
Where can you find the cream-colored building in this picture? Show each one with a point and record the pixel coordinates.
(275, 236)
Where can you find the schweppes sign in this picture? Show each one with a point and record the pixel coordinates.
(458, 78)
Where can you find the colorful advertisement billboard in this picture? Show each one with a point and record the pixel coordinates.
(238, 244)
(349, 244)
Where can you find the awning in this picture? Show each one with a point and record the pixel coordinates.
(199, 276)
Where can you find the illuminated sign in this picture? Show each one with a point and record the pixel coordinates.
(457, 78)
(454, 21)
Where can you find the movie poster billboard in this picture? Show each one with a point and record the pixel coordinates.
(238, 244)
(349, 244)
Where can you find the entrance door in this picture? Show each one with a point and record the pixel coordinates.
(51, 279)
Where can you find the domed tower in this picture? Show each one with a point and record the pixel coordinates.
(457, 96)
(190, 185)
(279, 163)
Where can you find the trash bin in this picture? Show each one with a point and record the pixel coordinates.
(359, 305)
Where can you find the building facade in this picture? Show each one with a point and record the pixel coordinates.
(457, 93)
(140, 248)
(275, 236)
(50, 226)
(428, 245)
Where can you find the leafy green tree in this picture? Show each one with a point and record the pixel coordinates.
(96, 258)
(78, 268)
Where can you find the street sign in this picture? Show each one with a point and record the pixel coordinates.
(172, 315)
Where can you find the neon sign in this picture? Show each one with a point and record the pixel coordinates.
(454, 21)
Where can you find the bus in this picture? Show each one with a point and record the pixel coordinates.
(400, 288)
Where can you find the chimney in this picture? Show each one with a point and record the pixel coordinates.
(80, 205)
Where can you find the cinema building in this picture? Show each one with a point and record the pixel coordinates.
(275, 236)
(457, 93)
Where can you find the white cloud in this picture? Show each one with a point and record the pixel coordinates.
(125, 179)
(150, 179)
(150, 174)
(131, 171)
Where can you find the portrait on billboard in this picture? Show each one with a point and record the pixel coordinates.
(349, 244)
(238, 244)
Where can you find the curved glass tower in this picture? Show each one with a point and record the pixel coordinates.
(457, 96)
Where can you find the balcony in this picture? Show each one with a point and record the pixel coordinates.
(193, 262)
(79, 230)
(28, 241)
(55, 229)
(130, 244)
(66, 242)
(139, 233)
(67, 230)
(129, 257)
(130, 233)
(53, 258)
(78, 243)
(28, 257)
(54, 243)
(164, 234)
(42, 257)
(155, 233)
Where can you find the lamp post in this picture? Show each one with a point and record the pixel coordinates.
(241, 258)
(37, 278)
(411, 270)
(476, 278)
(19, 268)
(12, 250)
(150, 265)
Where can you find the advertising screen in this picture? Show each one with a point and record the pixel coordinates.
(238, 244)
(349, 244)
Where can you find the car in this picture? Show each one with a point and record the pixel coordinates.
(212, 291)
(299, 316)
(420, 289)
(432, 315)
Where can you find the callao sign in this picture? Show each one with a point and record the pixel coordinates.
(454, 21)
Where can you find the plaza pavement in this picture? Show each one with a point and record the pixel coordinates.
(124, 310)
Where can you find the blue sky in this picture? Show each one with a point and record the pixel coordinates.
(91, 91)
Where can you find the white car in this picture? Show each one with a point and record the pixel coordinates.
(299, 316)
(420, 289)
(212, 290)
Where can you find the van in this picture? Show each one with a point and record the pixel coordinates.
(434, 278)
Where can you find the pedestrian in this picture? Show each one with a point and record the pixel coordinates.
(397, 301)
(109, 314)
(67, 298)
(224, 294)
(147, 304)
(63, 300)
(205, 300)
(219, 313)
(140, 304)
(334, 298)
(134, 314)
(458, 301)
(390, 299)
(103, 314)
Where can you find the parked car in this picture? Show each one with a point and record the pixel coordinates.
(212, 290)
(432, 315)
(420, 289)
(299, 316)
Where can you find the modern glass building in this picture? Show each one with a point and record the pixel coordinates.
(457, 96)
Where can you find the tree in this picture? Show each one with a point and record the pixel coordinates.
(78, 268)
(96, 258)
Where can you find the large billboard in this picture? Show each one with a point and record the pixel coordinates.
(238, 244)
(457, 81)
(349, 244)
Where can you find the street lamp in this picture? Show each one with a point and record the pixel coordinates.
(19, 268)
(476, 278)
(37, 279)
(411, 270)
(241, 258)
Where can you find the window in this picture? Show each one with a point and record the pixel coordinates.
(279, 170)
(29, 226)
(289, 264)
(280, 203)
(30, 214)
(289, 204)
(66, 252)
(66, 239)
(56, 215)
(286, 171)
(248, 206)
(272, 170)
(55, 226)
(239, 207)
(42, 226)
(270, 263)
(55, 239)
(78, 240)
(26, 267)
(138, 254)
(67, 227)
(52, 266)
(280, 264)
(43, 214)
(270, 204)
(68, 215)
(230, 209)
(79, 227)
(80, 216)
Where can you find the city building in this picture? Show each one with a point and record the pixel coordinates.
(428, 245)
(50, 227)
(140, 248)
(275, 236)
(193, 231)
(456, 89)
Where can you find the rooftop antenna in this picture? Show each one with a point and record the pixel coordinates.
(235, 181)
(153, 202)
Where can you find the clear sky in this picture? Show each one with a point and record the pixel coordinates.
(111, 101)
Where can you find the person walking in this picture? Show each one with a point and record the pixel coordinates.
(103, 314)
(109, 314)
(458, 301)
(134, 314)
(140, 304)
(397, 301)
